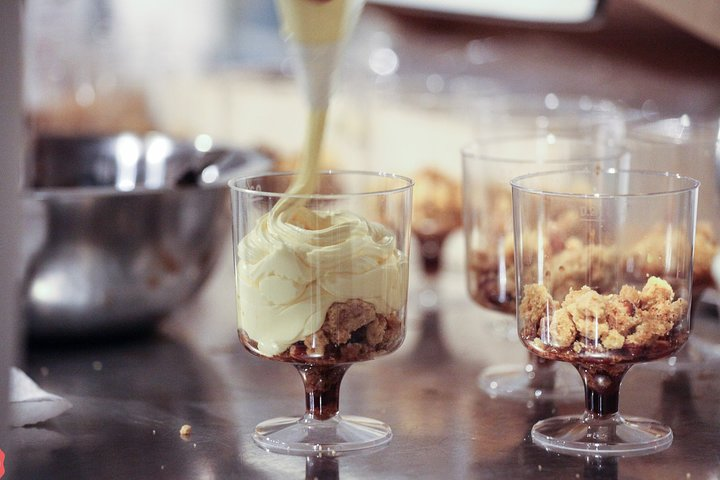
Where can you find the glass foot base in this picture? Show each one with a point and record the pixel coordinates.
(517, 382)
(333, 437)
(612, 436)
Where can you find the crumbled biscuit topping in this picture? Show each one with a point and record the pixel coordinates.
(587, 319)
(353, 330)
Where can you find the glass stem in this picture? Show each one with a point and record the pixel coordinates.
(430, 252)
(602, 388)
(322, 389)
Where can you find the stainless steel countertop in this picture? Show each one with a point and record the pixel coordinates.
(131, 397)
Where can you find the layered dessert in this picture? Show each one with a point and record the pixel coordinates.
(589, 327)
(437, 211)
(320, 286)
(437, 203)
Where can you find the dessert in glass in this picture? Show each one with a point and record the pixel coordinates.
(437, 212)
(688, 145)
(488, 166)
(321, 281)
(417, 122)
(594, 296)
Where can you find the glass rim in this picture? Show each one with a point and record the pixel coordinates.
(470, 153)
(585, 106)
(408, 183)
(691, 183)
(678, 130)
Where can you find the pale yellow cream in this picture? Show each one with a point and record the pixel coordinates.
(294, 265)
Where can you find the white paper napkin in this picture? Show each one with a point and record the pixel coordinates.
(30, 404)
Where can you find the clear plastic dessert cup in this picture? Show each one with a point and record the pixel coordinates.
(488, 166)
(612, 290)
(688, 145)
(321, 282)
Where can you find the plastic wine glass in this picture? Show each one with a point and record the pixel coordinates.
(617, 292)
(321, 283)
(688, 145)
(416, 122)
(488, 166)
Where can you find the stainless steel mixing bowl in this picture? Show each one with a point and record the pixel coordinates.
(121, 230)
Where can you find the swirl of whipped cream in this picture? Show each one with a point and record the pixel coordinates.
(297, 262)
